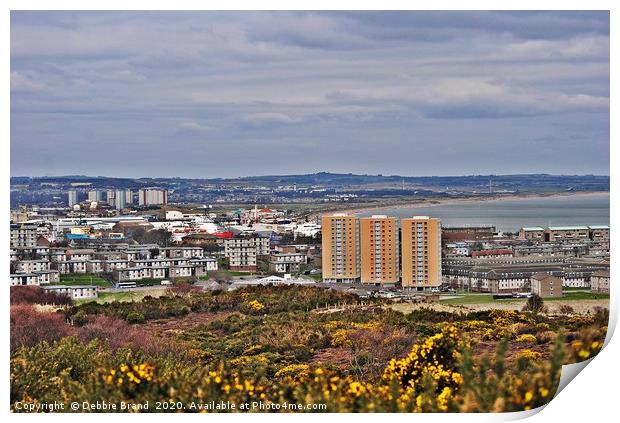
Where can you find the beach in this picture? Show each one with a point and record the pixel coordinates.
(453, 201)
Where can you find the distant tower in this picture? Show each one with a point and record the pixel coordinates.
(72, 200)
(128, 196)
(120, 200)
(490, 187)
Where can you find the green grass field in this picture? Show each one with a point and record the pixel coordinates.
(126, 296)
(86, 279)
(474, 299)
(579, 296)
(488, 298)
(149, 282)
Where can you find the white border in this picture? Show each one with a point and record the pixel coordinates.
(591, 396)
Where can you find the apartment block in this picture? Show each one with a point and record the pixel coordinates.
(599, 232)
(287, 262)
(532, 233)
(24, 235)
(242, 252)
(420, 252)
(72, 198)
(120, 200)
(79, 292)
(599, 282)
(94, 195)
(152, 196)
(340, 253)
(379, 250)
(566, 233)
(545, 285)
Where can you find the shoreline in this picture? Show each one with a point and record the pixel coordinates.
(451, 201)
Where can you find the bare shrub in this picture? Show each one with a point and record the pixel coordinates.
(36, 295)
(118, 333)
(29, 327)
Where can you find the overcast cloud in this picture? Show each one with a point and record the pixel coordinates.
(209, 94)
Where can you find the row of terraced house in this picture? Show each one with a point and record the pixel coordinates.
(43, 265)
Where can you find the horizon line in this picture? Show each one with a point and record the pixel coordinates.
(307, 174)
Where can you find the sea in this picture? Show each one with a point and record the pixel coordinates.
(511, 214)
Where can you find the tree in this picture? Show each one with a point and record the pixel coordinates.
(534, 304)
(211, 248)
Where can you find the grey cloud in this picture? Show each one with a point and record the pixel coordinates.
(305, 83)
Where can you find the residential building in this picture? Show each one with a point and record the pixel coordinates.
(120, 200)
(287, 262)
(94, 196)
(379, 250)
(30, 266)
(22, 279)
(599, 232)
(128, 197)
(545, 285)
(71, 266)
(535, 233)
(495, 253)
(111, 198)
(420, 252)
(243, 252)
(72, 198)
(599, 282)
(566, 233)
(340, 248)
(513, 273)
(152, 196)
(80, 254)
(24, 235)
(76, 292)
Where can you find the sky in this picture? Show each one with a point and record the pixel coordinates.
(227, 94)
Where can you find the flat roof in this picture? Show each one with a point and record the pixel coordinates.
(567, 228)
(533, 228)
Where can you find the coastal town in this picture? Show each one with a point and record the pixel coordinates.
(117, 241)
(337, 211)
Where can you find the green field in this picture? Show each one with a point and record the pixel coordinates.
(474, 299)
(126, 296)
(488, 298)
(149, 282)
(579, 296)
(86, 279)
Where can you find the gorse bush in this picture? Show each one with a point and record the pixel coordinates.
(258, 300)
(271, 344)
(438, 374)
